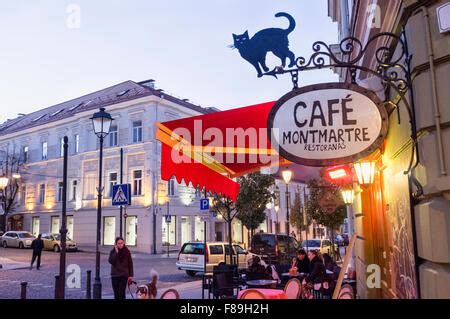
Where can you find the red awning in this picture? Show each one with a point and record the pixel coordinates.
(208, 150)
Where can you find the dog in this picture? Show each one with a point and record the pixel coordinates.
(149, 290)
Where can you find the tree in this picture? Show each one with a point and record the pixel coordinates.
(10, 165)
(317, 190)
(250, 205)
(227, 209)
(253, 197)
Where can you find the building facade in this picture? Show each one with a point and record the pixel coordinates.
(403, 220)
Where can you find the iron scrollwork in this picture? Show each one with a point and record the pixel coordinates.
(391, 60)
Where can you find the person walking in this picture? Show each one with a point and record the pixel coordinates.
(37, 245)
(121, 268)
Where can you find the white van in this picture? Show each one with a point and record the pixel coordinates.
(192, 256)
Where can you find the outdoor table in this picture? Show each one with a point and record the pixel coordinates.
(261, 282)
(268, 293)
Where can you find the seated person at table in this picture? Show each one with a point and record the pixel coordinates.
(256, 270)
(316, 268)
(302, 263)
(331, 265)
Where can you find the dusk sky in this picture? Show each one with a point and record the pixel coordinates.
(46, 57)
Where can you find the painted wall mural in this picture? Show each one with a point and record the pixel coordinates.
(403, 274)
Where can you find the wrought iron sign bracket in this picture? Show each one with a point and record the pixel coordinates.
(392, 68)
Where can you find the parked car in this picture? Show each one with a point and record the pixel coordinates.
(20, 239)
(274, 248)
(53, 242)
(191, 257)
(321, 245)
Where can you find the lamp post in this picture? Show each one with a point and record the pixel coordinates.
(101, 122)
(277, 208)
(287, 176)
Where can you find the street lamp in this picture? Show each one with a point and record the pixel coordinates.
(348, 196)
(365, 171)
(287, 176)
(3, 182)
(101, 122)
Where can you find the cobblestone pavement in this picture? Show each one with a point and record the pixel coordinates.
(41, 282)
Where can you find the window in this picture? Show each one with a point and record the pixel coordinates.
(216, 249)
(23, 195)
(61, 143)
(113, 136)
(137, 182)
(35, 224)
(122, 93)
(89, 186)
(42, 193)
(185, 229)
(25, 154)
(76, 145)
(171, 186)
(56, 112)
(168, 231)
(55, 225)
(131, 230)
(198, 229)
(60, 192)
(74, 190)
(109, 230)
(70, 227)
(137, 131)
(44, 150)
(193, 249)
(237, 231)
(112, 181)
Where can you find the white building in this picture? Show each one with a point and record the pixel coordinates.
(135, 107)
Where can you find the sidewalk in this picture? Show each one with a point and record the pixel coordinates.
(8, 264)
(138, 255)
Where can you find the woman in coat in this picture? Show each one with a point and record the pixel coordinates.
(121, 268)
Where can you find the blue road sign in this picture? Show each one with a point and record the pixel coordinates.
(168, 218)
(121, 195)
(204, 204)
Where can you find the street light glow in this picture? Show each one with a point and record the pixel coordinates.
(365, 171)
(3, 182)
(348, 195)
(287, 175)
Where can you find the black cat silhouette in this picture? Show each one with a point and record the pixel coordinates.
(273, 40)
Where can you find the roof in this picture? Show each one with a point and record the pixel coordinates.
(118, 93)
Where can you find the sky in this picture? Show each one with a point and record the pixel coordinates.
(53, 51)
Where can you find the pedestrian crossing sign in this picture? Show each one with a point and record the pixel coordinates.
(121, 195)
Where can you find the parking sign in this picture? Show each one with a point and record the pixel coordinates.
(204, 204)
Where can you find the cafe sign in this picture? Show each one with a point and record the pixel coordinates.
(327, 124)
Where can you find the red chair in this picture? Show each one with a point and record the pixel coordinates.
(293, 289)
(252, 294)
(170, 294)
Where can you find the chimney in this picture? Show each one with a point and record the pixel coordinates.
(148, 83)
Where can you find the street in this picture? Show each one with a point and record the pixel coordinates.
(41, 282)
